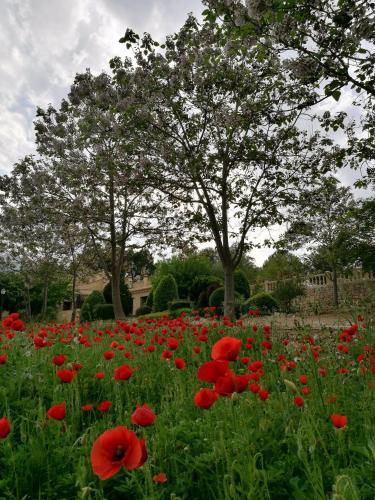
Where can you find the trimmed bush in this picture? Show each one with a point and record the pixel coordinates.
(126, 296)
(145, 309)
(241, 284)
(179, 304)
(177, 312)
(155, 315)
(87, 311)
(200, 285)
(165, 292)
(262, 301)
(217, 300)
(150, 299)
(285, 292)
(104, 311)
(204, 296)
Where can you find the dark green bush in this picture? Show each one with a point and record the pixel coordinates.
(217, 300)
(150, 299)
(104, 311)
(241, 284)
(179, 304)
(145, 309)
(177, 312)
(285, 292)
(87, 311)
(200, 285)
(263, 301)
(165, 292)
(204, 297)
(126, 296)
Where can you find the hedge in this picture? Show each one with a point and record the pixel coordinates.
(179, 304)
(145, 309)
(104, 311)
(262, 301)
(165, 292)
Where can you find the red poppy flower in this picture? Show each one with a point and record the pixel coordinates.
(99, 375)
(66, 376)
(3, 359)
(263, 394)
(303, 379)
(108, 355)
(87, 407)
(225, 386)
(160, 478)
(227, 348)
(104, 406)
(306, 390)
(339, 421)
(180, 363)
(59, 360)
(57, 412)
(205, 398)
(172, 344)
(166, 354)
(241, 382)
(123, 372)
(4, 427)
(254, 388)
(212, 370)
(196, 350)
(18, 325)
(143, 416)
(116, 448)
(298, 401)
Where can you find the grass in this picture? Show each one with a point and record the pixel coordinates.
(241, 447)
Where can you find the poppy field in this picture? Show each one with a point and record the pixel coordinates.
(189, 408)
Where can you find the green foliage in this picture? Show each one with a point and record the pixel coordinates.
(87, 311)
(177, 312)
(13, 284)
(241, 283)
(263, 301)
(165, 292)
(141, 311)
(281, 264)
(200, 286)
(217, 300)
(178, 304)
(285, 292)
(58, 290)
(150, 299)
(126, 296)
(103, 311)
(184, 270)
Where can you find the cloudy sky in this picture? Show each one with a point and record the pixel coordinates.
(44, 43)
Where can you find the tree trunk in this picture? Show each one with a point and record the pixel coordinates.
(335, 287)
(116, 296)
(229, 291)
(45, 299)
(74, 305)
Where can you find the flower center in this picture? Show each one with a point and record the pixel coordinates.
(119, 453)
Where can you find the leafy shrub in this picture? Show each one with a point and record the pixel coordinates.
(104, 311)
(165, 292)
(241, 284)
(126, 296)
(150, 299)
(204, 297)
(263, 301)
(145, 309)
(200, 284)
(179, 304)
(285, 292)
(155, 315)
(87, 311)
(217, 300)
(177, 312)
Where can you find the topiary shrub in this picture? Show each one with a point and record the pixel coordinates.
(200, 285)
(217, 300)
(126, 296)
(150, 299)
(176, 313)
(241, 284)
(165, 292)
(262, 301)
(145, 309)
(87, 311)
(104, 311)
(203, 299)
(285, 292)
(179, 304)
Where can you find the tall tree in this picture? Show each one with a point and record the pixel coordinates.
(319, 224)
(91, 144)
(222, 137)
